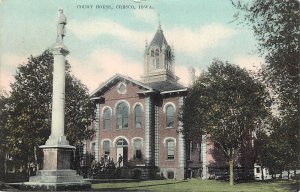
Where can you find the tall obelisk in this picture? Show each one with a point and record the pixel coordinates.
(56, 173)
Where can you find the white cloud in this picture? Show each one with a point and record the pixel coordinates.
(183, 73)
(195, 42)
(8, 66)
(102, 64)
(147, 16)
(95, 28)
(249, 62)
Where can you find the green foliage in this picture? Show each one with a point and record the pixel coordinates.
(274, 149)
(3, 114)
(29, 107)
(225, 103)
(276, 26)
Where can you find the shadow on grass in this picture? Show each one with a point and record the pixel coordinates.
(138, 186)
(290, 185)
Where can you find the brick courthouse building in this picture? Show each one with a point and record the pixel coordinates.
(139, 120)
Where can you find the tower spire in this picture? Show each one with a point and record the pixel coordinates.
(159, 23)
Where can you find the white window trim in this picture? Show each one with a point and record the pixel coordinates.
(140, 138)
(120, 137)
(119, 85)
(169, 138)
(135, 104)
(102, 141)
(118, 102)
(104, 108)
(169, 103)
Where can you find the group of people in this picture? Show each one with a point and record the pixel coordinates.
(106, 161)
(105, 167)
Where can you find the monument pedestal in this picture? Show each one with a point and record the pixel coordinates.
(56, 174)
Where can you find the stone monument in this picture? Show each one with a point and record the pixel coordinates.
(56, 173)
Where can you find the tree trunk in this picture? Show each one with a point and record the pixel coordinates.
(288, 174)
(37, 166)
(280, 176)
(262, 173)
(28, 168)
(231, 176)
(5, 167)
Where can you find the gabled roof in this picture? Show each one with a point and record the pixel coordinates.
(115, 79)
(161, 87)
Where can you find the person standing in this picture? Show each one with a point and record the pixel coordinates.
(120, 160)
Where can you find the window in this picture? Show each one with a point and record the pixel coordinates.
(138, 116)
(122, 116)
(106, 119)
(170, 149)
(122, 88)
(157, 63)
(170, 116)
(137, 144)
(121, 142)
(257, 170)
(94, 149)
(152, 52)
(157, 52)
(106, 149)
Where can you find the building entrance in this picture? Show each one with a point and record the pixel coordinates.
(122, 152)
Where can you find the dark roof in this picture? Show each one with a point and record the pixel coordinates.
(161, 86)
(159, 38)
(166, 86)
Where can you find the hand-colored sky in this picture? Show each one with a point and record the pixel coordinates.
(103, 42)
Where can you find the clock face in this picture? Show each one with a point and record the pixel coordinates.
(122, 88)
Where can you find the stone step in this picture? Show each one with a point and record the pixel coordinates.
(55, 179)
(63, 172)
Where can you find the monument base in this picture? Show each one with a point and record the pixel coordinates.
(32, 186)
(56, 174)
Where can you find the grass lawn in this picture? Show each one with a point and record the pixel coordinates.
(196, 185)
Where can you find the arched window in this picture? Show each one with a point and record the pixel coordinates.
(106, 149)
(152, 52)
(156, 52)
(106, 119)
(138, 116)
(122, 116)
(170, 144)
(170, 116)
(121, 142)
(137, 145)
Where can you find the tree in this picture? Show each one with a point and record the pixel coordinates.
(225, 103)
(29, 114)
(276, 26)
(3, 133)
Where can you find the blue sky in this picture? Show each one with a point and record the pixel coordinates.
(103, 42)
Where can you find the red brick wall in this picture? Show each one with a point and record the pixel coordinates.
(168, 132)
(111, 98)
